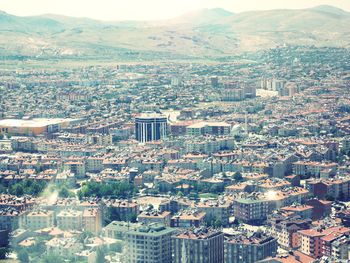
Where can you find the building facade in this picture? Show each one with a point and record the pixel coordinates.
(149, 244)
(199, 245)
(150, 127)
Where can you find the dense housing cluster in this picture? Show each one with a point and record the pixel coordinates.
(178, 162)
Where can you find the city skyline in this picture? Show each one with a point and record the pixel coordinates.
(158, 131)
(151, 10)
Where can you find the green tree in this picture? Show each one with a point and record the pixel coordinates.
(117, 189)
(216, 188)
(238, 176)
(131, 218)
(80, 195)
(217, 223)
(330, 198)
(100, 256)
(23, 256)
(180, 194)
(4, 251)
(30, 187)
(51, 258)
(64, 192)
(84, 235)
(18, 190)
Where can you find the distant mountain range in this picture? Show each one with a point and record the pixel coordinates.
(203, 33)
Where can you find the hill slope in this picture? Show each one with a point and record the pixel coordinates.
(204, 33)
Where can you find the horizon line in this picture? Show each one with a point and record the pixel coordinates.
(169, 18)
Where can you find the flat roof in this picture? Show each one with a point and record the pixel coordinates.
(154, 229)
(208, 123)
(250, 201)
(38, 122)
(151, 115)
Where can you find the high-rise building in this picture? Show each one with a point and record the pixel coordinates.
(150, 127)
(199, 245)
(149, 244)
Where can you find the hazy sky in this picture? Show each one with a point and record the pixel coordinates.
(149, 9)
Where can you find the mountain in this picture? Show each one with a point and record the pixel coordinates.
(28, 24)
(200, 17)
(203, 33)
(314, 19)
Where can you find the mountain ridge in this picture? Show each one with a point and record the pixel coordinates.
(201, 33)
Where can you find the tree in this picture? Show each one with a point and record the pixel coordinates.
(117, 189)
(23, 256)
(4, 251)
(180, 194)
(216, 189)
(238, 176)
(84, 235)
(30, 187)
(330, 198)
(18, 190)
(51, 258)
(217, 223)
(131, 217)
(80, 195)
(64, 192)
(100, 256)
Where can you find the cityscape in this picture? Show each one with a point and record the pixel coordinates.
(184, 140)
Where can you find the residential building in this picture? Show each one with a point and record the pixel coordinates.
(92, 220)
(188, 218)
(199, 245)
(70, 220)
(149, 244)
(39, 219)
(251, 209)
(154, 216)
(315, 242)
(244, 247)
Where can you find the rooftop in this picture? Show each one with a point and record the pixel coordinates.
(40, 122)
(153, 229)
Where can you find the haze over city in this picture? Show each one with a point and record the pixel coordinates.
(155, 131)
(150, 9)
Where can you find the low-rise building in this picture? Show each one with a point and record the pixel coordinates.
(39, 219)
(304, 211)
(317, 242)
(218, 210)
(92, 220)
(188, 218)
(70, 220)
(153, 216)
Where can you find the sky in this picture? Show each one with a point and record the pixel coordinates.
(150, 9)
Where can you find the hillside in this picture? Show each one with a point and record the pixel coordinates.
(203, 33)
